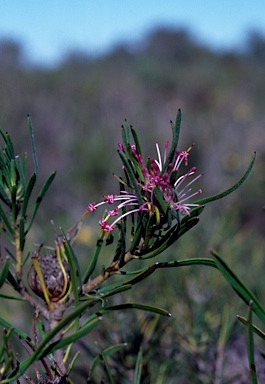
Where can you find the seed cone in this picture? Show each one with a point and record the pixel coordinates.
(56, 277)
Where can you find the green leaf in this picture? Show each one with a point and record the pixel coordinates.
(70, 339)
(15, 208)
(12, 173)
(137, 142)
(137, 235)
(194, 212)
(187, 263)
(257, 330)
(132, 178)
(35, 159)
(107, 352)
(114, 291)
(4, 271)
(125, 134)
(6, 221)
(9, 147)
(17, 331)
(250, 343)
(24, 164)
(147, 271)
(4, 135)
(186, 225)
(21, 172)
(4, 197)
(2, 346)
(170, 237)
(161, 200)
(30, 187)
(103, 357)
(75, 273)
(238, 286)
(174, 145)
(21, 233)
(142, 275)
(5, 171)
(231, 189)
(143, 307)
(44, 347)
(40, 198)
(120, 250)
(138, 367)
(8, 297)
(94, 259)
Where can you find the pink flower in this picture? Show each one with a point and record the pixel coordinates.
(175, 188)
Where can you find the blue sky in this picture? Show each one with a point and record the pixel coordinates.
(50, 28)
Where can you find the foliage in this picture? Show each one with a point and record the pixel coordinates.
(78, 105)
(153, 212)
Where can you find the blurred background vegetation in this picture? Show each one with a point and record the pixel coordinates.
(77, 110)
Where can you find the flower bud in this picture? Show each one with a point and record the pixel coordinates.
(55, 275)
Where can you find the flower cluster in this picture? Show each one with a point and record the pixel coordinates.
(154, 180)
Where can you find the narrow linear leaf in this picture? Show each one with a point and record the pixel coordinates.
(257, 330)
(114, 291)
(70, 339)
(5, 167)
(18, 332)
(143, 307)
(8, 297)
(161, 244)
(125, 134)
(4, 197)
(21, 233)
(21, 172)
(40, 198)
(131, 177)
(30, 187)
(121, 243)
(194, 212)
(107, 352)
(103, 357)
(13, 173)
(250, 343)
(138, 367)
(136, 141)
(106, 289)
(6, 221)
(94, 259)
(187, 225)
(170, 237)
(14, 208)
(128, 273)
(6, 336)
(231, 189)
(161, 200)
(142, 275)
(4, 135)
(138, 232)
(24, 164)
(35, 159)
(4, 271)
(187, 263)
(9, 146)
(74, 267)
(147, 271)
(66, 251)
(44, 345)
(175, 133)
(238, 286)
(124, 306)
